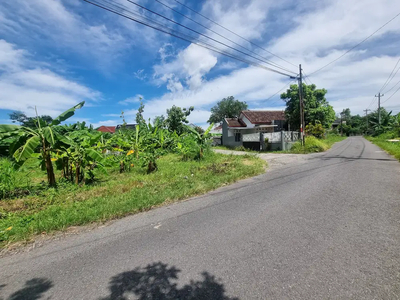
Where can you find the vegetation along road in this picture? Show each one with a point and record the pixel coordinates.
(323, 227)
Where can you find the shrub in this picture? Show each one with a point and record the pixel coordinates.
(312, 144)
(315, 130)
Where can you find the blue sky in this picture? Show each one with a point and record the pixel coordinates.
(56, 53)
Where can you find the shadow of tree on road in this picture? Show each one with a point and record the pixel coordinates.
(159, 281)
(33, 289)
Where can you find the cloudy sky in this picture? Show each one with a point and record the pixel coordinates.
(56, 53)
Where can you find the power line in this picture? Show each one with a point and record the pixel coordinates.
(284, 87)
(224, 37)
(389, 78)
(204, 35)
(200, 14)
(392, 87)
(179, 35)
(355, 45)
(393, 76)
(391, 95)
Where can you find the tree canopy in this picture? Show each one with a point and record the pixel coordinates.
(226, 108)
(24, 120)
(316, 107)
(177, 117)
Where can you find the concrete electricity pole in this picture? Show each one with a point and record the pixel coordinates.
(366, 114)
(301, 105)
(379, 107)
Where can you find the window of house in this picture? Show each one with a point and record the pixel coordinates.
(237, 137)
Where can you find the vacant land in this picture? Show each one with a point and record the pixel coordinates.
(116, 195)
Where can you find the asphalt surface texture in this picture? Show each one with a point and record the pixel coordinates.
(324, 227)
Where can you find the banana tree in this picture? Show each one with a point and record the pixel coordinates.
(202, 140)
(28, 140)
(81, 156)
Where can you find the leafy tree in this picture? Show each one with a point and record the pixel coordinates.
(346, 114)
(316, 107)
(226, 108)
(177, 117)
(22, 119)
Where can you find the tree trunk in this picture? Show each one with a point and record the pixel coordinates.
(121, 167)
(51, 179)
(77, 173)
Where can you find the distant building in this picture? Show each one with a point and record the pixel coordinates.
(109, 129)
(245, 130)
(216, 130)
(127, 126)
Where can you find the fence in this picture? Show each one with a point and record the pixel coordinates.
(280, 140)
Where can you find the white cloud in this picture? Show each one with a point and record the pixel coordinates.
(319, 34)
(135, 99)
(190, 66)
(24, 88)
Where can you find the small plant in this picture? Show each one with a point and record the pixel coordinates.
(240, 148)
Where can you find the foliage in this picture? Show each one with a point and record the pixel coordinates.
(7, 178)
(44, 136)
(312, 144)
(177, 118)
(139, 115)
(24, 120)
(316, 107)
(159, 121)
(226, 108)
(315, 130)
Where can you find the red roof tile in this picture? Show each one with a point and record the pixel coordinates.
(233, 122)
(263, 116)
(110, 129)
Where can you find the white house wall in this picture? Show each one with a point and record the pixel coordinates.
(247, 122)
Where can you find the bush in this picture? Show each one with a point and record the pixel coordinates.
(7, 178)
(315, 130)
(312, 144)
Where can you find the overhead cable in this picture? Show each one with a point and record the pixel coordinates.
(352, 48)
(177, 34)
(200, 14)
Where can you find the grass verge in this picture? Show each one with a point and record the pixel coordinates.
(120, 194)
(313, 144)
(392, 148)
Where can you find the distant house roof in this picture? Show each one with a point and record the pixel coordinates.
(264, 116)
(110, 129)
(233, 122)
(219, 127)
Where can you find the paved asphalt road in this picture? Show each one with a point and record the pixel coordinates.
(327, 227)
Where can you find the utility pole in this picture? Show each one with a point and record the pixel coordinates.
(379, 107)
(301, 105)
(366, 115)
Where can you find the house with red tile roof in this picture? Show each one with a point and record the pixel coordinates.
(247, 128)
(110, 129)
